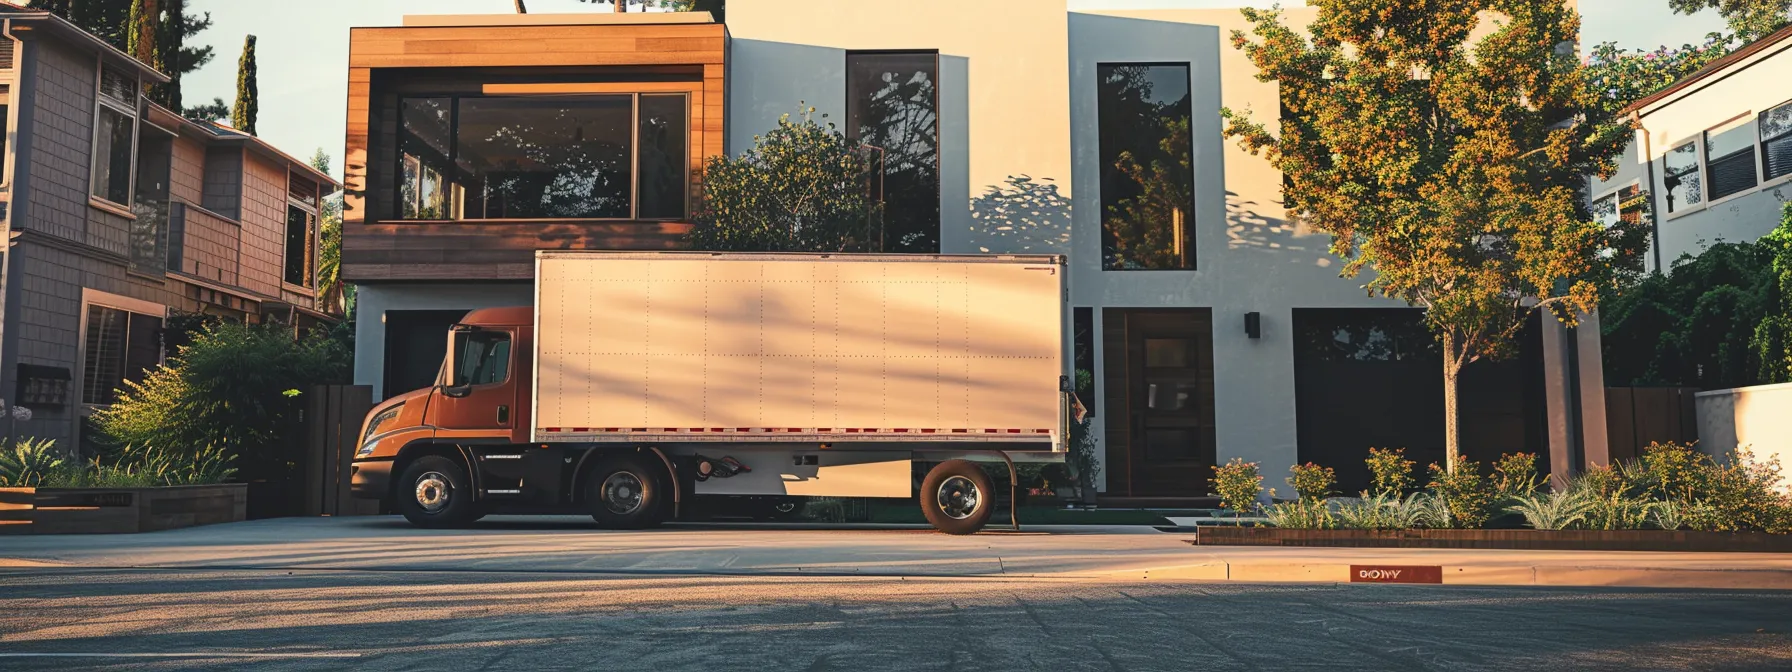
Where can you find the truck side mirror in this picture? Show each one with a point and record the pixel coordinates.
(451, 384)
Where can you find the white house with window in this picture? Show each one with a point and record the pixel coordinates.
(1712, 159)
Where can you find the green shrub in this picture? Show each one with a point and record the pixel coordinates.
(234, 387)
(1745, 496)
(27, 463)
(1237, 484)
(1303, 514)
(1311, 481)
(1677, 515)
(1515, 475)
(1559, 510)
(1388, 512)
(1465, 491)
(1675, 472)
(149, 468)
(1389, 471)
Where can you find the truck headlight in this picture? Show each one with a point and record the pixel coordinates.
(374, 427)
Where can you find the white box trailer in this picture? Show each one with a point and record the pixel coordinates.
(761, 374)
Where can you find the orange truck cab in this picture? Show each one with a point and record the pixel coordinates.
(648, 380)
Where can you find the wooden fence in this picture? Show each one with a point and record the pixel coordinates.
(334, 423)
(1638, 416)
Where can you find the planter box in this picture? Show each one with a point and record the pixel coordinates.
(119, 510)
(1534, 540)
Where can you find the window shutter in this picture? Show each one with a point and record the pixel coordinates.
(6, 53)
(1733, 174)
(1776, 157)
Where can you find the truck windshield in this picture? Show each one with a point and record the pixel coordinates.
(484, 358)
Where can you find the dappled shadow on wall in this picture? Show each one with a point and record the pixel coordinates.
(1248, 229)
(1023, 215)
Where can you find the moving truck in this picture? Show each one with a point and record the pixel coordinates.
(641, 381)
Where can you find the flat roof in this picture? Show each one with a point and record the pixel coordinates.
(585, 19)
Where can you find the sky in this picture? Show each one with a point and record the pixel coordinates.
(302, 49)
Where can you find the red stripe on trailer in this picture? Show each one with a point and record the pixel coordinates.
(743, 429)
(825, 429)
(671, 429)
(960, 431)
(989, 431)
(1042, 431)
(929, 431)
(1013, 431)
(550, 429)
(901, 431)
(612, 429)
(793, 429)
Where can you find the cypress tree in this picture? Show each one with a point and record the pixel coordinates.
(142, 37)
(243, 115)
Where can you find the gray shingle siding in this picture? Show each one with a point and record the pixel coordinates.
(61, 101)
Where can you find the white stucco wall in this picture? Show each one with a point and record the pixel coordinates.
(1018, 98)
(373, 300)
(1756, 418)
(1745, 89)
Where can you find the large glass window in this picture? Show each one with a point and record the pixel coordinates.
(1730, 159)
(120, 346)
(1147, 177)
(114, 136)
(1680, 175)
(543, 157)
(892, 107)
(1776, 142)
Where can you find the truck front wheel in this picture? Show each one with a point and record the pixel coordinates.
(433, 493)
(624, 492)
(956, 497)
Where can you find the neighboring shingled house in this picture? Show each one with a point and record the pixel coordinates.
(121, 214)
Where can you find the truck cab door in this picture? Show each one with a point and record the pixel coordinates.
(478, 394)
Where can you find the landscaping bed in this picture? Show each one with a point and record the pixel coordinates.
(119, 510)
(1534, 540)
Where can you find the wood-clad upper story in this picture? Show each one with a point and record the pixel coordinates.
(475, 140)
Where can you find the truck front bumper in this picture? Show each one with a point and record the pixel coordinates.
(370, 479)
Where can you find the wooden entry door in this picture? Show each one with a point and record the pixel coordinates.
(1166, 357)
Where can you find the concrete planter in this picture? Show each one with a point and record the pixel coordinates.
(1534, 540)
(119, 510)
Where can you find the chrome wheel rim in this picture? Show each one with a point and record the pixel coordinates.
(433, 492)
(622, 493)
(958, 497)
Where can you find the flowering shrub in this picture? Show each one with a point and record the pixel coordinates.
(1237, 483)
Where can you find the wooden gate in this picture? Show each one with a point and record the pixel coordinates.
(334, 423)
(1638, 416)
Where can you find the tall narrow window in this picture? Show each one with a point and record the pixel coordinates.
(1147, 177)
(5, 119)
(892, 107)
(1680, 175)
(120, 346)
(665, 158)
(114, 136)
(301, 227)
(1776, 142)
(1730, 159)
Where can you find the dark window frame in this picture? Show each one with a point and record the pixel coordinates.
(89, 361)
(1669, 175)
(398, 158)
(1714, 191)
(1191, 240)
(312, 224)
(852, 134)
(459, 376)
(1767, 144)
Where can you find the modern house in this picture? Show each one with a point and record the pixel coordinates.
(1206, 324)
(1712, 159)
(121, 215)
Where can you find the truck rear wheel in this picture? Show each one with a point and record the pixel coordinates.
(624, 492)
(433, 493)
(956, 497)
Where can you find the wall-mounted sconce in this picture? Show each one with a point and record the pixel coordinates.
(1253, 324)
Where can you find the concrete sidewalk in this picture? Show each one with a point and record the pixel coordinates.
(572, 546)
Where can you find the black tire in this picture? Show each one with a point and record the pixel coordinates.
(626, 491)
(434, 493)
(957, 497)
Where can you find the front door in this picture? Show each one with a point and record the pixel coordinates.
(1169, 379)
(480, 394)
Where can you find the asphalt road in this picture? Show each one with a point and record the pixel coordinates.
(502, 620)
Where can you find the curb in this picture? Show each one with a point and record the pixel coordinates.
(1746, 578)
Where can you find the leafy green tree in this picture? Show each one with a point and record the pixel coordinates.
(1453, 170)
(333, 296)
(242, 116)
(217, 110)
(1771, 344)
(154, 31)
(1626, 76)
(1704, 323)
(235, 387)
(801, 188)
(1750, 19)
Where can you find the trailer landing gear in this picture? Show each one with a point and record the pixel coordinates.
(956, 497)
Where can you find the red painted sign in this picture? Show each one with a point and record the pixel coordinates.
(1396, 574)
